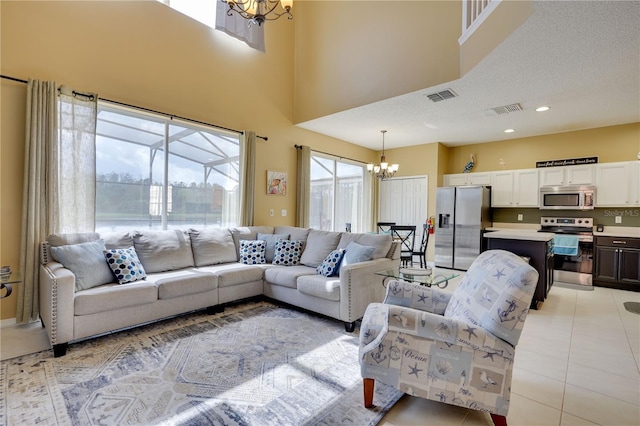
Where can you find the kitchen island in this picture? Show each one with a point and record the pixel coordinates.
(537, 246)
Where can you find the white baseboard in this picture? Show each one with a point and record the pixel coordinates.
(9, 322)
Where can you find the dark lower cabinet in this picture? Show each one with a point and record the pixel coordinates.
(541, 258)
(617, 263)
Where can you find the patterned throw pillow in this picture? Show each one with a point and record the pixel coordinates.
(287, 252)
(252, 252)
(125, 265)
(330, 264)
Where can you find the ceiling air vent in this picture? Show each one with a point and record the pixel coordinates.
(507, 109)
(442, 96)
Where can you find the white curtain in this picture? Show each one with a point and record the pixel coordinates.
(303, 185)
(248, 173)
(59, 178)
(238, 27)
(76, 162)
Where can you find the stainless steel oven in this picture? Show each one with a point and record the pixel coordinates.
(573, 248)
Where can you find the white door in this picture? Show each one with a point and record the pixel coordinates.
(404, 201)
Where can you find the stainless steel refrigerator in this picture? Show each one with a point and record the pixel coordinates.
(462, 215)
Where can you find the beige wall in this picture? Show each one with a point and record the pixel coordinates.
(609, 144)
(351, 53)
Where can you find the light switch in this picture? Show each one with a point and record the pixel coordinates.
(618, 219)
(284, 212)
(520, 217)
(272, 213)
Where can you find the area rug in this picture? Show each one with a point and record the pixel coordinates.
(254, 364)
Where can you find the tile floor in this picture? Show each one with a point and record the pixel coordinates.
(577, 363)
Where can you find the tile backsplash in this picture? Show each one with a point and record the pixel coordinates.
(602, 216)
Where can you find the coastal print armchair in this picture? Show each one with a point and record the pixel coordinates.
(457, 348)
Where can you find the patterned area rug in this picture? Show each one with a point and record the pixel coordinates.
(254, 364)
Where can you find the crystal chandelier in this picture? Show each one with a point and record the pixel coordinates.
(383, 170)
(259, 11)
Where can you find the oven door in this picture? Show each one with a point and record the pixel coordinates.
(576, 269)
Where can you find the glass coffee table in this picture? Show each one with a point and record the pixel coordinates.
(423, 276)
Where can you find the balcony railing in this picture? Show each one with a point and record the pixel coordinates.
(474, 12)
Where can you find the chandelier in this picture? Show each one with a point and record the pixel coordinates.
(259, 11)
(383, 170)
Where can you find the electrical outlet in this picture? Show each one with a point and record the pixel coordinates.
(272, 213)
(618, 219)
(284, 212)
(520, 217)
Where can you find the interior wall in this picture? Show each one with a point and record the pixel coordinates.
(353, 53)
(609, 144)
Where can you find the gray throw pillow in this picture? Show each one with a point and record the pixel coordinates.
(86, 261)
(319, 245)
(271, 239)
(355, 253)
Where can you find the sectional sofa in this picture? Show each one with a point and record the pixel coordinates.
(91, 283)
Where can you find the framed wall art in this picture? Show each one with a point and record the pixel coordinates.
(276, 183)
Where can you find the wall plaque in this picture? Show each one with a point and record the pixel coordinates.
(567, 162)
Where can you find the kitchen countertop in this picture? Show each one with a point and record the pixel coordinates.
(518, 234)
(618, 231)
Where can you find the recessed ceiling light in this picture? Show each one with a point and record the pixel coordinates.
(509, 131)
(542, 109)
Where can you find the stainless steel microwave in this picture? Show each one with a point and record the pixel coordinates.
(574, 197)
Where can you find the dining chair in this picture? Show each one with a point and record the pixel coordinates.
(348, 227)
(385, 227)
(406, 234)
(422, 252)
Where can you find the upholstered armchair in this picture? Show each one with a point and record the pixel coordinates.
(457, 348)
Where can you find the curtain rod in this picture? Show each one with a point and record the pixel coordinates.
(265, 138)
(333, 155)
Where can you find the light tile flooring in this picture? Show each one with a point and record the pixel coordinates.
(577, 363)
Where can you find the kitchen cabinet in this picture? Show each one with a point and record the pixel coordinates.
(515, 188)
(567, 175)
(461, 179)
(617, 263)
(538, 246)
(618, 184)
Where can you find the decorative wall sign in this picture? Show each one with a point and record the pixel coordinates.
(567, 162)
(276, 183)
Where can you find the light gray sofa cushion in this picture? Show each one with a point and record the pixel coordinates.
(212, 246)
(382, 242)
(114, 296)
(117, 239)
(320, 286)
(319, 245)
(287, 276)
(300, 234)
(77, 238)
(86, 261)
(163, 250)
(271, 243)
(174, 284)
(235, 273)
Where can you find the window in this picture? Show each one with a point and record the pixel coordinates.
(154, 172)
(339, 194)
(201, 10)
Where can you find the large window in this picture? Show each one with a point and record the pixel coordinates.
(339, 194)
(154, 172)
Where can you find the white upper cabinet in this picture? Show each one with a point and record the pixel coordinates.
(461, 179)
(617, 184)
(567, 175)
(515, 188)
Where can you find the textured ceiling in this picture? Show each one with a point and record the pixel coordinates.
(581, 58)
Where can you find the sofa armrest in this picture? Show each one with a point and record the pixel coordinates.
(412, 295)
(57, 291)
(359, 286)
